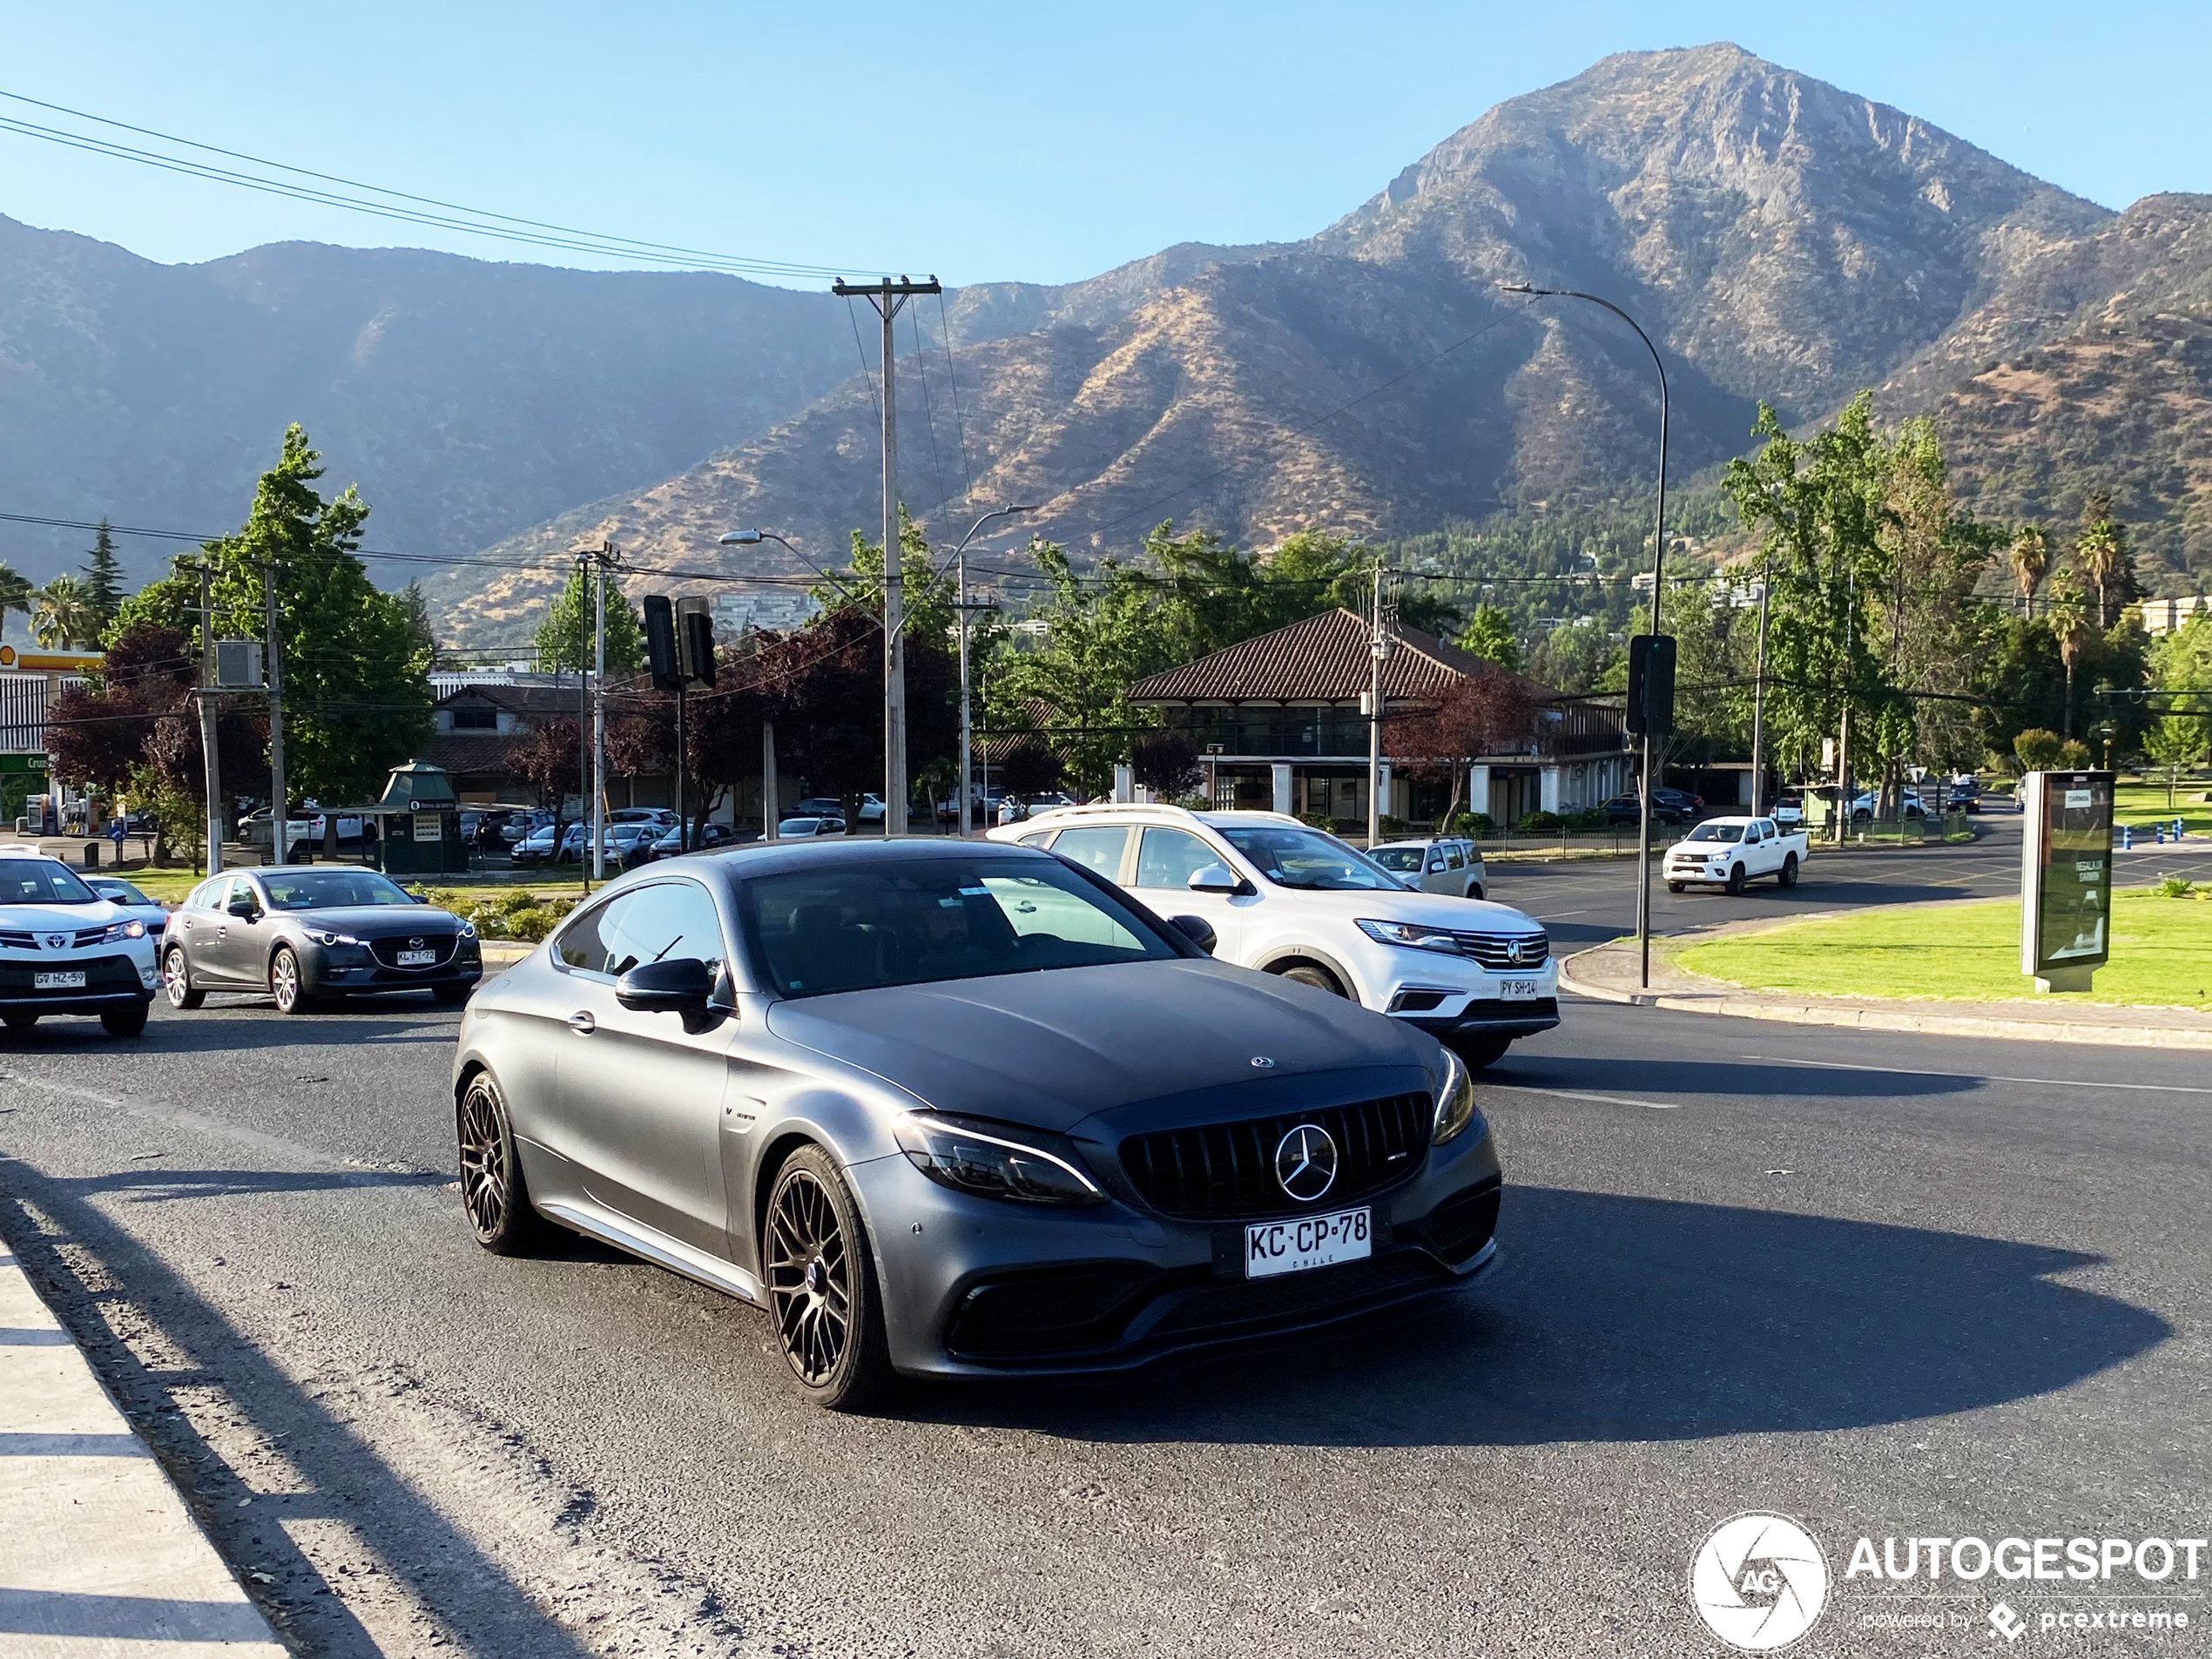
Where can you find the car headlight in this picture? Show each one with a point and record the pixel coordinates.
(957, 1153)
(468, 928)
(1413, 934)
(322, 937)
(1454, 1102)
(122, 930)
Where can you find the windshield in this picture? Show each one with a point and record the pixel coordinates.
(1715, 832)
(861, 927)
(332, 890)
(42, 881)
(1309, 861)
(121, 892)
(1400, 859)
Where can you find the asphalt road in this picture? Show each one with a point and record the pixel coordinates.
(1890, 1287)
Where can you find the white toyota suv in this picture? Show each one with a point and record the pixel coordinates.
(1290, 899)
(65, 949)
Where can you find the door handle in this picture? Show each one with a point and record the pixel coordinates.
(582, 1023)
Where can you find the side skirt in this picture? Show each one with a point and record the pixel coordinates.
(656, 1248)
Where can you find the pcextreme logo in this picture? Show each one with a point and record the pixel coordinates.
(1759, 1582)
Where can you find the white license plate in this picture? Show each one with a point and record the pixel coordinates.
(1291, 1247)
(1519, 990)
(418, 958)
(61, 982)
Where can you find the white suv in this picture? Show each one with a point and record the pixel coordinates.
(1290, 899)
(65, 949)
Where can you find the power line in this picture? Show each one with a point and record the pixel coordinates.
(959, 425)
(531, 231)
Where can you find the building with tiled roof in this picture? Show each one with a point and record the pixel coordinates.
(1280, 718)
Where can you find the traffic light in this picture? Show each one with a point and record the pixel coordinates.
(1651, 684)
(661, 653)
(695, 642)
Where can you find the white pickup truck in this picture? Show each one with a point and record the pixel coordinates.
(1729, 851)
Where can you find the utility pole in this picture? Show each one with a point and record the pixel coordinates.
(211, 757)
(768, 810)
(279, 801)
(1377, 648)
(1846, 798)
(599, 713)
(1759, 698)
(890, 298)
(583, 557)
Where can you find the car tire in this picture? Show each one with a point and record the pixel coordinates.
(1478, 1052)
(125, 1022)
(494, 1196)
(1789, 876)
(1312, 974)
(1474, 890)
(1735, 880)
(19, 1021)
(176, 980)
(287, 985)
(1675, 886)
(453, 995)
(815, 1257)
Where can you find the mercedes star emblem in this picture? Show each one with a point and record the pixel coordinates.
(1305, 1162)
(1263, 1061)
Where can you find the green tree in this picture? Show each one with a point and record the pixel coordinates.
(2029, 556)
(2066, 615)
(1489, 635)
(566, 640)
(2037, 749)
(357, 697)
(104, 574)
(14, 591)
(2175, 743)
(63, 614)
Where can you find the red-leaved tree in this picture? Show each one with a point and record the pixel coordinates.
(1490, 711)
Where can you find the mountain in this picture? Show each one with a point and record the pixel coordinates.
(469, 400)
(1781, 240)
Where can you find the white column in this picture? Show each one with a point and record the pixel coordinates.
(1124, 783)
(1548, 789)
(1281, 778)
(1478, 789)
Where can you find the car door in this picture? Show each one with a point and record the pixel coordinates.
(193, 926)
(230, 940)
(637, 1098)
(1166, 859)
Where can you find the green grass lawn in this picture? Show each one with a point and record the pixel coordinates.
(170, 886)
(2162, 954)
(2141, 804)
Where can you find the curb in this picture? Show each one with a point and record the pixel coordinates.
(503, 953)
(99, 1553)
(1869, 1019)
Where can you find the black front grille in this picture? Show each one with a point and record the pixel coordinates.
(11, 940)
(101, 974)
(387, 951)
(1225, 1171)
(89, 936)
(1059, 1311)
(1460, 1226)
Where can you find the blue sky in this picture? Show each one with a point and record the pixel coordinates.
(981, 141)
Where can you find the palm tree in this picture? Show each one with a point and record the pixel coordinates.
(63, 613)
(2066, 610)
(14, 591)
(2030, 557)
(2099, 555)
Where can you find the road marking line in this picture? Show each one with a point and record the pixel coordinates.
(1603, 1100)
(1979, 1077)
(1558, 915)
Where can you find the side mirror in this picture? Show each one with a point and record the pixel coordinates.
(1436, 866)
(1197, 930)
(684, 986)
(243, 907)
(1214, 878)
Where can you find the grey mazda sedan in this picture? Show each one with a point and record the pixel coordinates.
(961, 1110)
(305, 935)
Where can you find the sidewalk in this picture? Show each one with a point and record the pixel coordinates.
(98, 1555)
(1609, 973)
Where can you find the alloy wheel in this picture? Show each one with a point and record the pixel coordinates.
(284, 982)
(809, 1277)
(483, 1160)
(174, 978)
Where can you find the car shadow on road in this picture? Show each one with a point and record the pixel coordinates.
(1621, 1319)
(468, 1590)
(191, 1034)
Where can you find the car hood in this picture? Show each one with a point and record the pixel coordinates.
(1431, 909)
(377, 920)
(1048, 1049)
(61, 918)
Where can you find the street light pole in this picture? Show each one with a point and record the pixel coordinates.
(967, 727)
(1658, 588)
(1758, 696)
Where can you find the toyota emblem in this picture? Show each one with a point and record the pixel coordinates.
(1305, 1162)
(56, 941)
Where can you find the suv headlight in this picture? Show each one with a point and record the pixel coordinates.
(1413, 934)
(121, 931)
(959, 1153)
(1454, 1102)
(322, 937)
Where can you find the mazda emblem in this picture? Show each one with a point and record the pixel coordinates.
(1305, 1162)
(415, 944)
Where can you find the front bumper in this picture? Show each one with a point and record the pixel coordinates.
(115, 981)
(353, 970)
(1490, 1018)
(980, 1287)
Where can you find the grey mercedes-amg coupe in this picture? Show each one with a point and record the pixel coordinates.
(961, 1110)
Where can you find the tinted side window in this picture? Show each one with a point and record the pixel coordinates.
(1098, 849)
(668, 921)
(1452, 857)
(1168, 857)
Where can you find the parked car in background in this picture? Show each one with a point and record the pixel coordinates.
(871, 809)
(1909, 805)
(1289, 899)
(705, 839)
(1452, 866)
(810, 828)
(1789, 809)
(1667, 807)
(1002, 1122)
(117, 891)
(66, 948)
(254, 829)
(305, 936)
(521, 826)
(545, 845)
(659, 817)
(1730, 851)
(816, 806)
